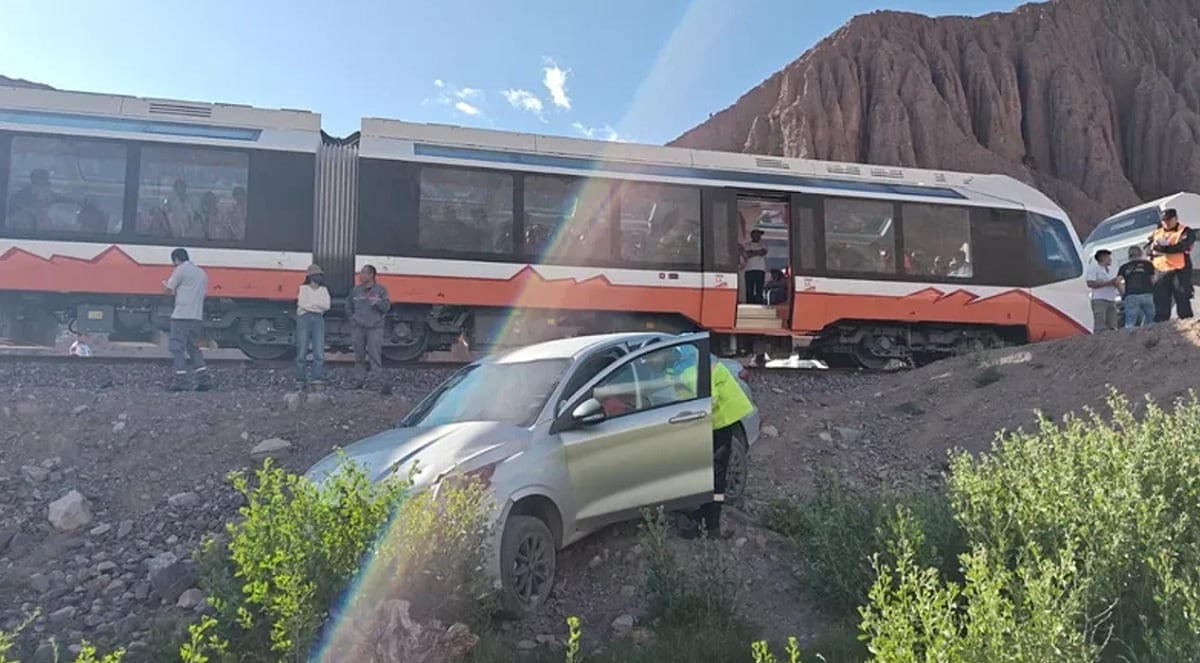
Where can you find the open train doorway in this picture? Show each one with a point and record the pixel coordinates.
(764, 243)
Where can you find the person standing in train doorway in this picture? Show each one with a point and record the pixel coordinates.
(312, 301)
(1170, 252)
(756, 267)
(189, 284)
(367, 308)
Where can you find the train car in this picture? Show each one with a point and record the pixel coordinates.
(98, 189)
(500, 238)
(505, 236)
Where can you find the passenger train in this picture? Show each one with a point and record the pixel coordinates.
(496, 238)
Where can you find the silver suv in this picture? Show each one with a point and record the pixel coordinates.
(570, 435)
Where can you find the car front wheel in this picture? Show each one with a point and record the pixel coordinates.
(527, 564)
(737, 473)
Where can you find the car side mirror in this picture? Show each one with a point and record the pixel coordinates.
(589, 412)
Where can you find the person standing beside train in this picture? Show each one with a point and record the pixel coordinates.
(1170, 252)
(1138, 277)
(1102, 279)
(366, 309)
(311, 304)
(189, 284)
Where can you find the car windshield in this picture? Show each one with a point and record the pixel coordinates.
(511, 393)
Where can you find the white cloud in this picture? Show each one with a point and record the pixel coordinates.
(467, 109)
(599, 133)
(465, 100)
(524, 100)
(554, 78)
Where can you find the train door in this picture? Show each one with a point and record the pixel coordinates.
(764, 240)
(807, 258)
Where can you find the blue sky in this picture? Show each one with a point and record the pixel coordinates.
(642, 70)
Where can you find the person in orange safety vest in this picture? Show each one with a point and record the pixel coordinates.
(1170, 252)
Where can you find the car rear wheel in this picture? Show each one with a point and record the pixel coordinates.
(527, 564)
(737, 473)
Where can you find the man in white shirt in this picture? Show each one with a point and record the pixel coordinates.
(1103, 280)
(189, 284)
(756, 267)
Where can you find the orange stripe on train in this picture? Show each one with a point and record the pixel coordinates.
(813, 311)
(112, 271)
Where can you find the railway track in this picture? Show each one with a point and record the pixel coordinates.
(10, 356)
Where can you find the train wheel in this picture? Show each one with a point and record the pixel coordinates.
(264, 351)
(411, 338)
(872, 354)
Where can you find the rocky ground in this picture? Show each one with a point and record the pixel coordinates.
(107, 483)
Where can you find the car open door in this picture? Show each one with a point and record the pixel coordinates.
(640, 434)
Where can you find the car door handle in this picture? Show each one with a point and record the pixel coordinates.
(684, 417)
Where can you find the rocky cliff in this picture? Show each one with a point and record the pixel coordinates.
(1095, 102)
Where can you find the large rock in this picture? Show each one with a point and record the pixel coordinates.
(1096, 102)
(170, 577)
(70, 512)
(275, 447)
(388, 634)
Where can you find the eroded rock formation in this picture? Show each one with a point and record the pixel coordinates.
(1095, 102)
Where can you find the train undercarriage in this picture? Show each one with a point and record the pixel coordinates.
(264, 330)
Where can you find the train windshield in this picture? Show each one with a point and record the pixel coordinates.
(1055, 247)
(1143, 220)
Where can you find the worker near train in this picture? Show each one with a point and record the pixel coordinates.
(729, 406)
(1170, 252)
(366, 309)
(189, 284)
(312, 301)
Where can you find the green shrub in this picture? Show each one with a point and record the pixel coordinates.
(688, 592)
(1026, 616)
(433, 556)
(87, 652)
(1122, 495)
(293, 552)
(1085, 546)
(300, 546)
(836, 531)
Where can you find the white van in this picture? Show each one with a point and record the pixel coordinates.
(1132, 227)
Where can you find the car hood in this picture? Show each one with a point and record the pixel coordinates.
(435, 449)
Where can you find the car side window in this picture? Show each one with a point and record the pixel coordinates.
(663, 377)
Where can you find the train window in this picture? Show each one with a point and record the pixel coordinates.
(660, 225)
(66, 185)
(859, 236)
(567, 220)
(1054, 247)
(937, 241)
(466, 211)
(193, 193)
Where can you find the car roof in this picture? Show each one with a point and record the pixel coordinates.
(565, 348)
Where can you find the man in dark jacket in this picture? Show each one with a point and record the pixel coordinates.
(366, 309)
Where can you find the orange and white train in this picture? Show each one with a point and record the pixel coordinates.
(498, 237)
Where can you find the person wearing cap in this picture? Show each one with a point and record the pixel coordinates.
(1170, 253)
(311, 304)
(756, 267)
